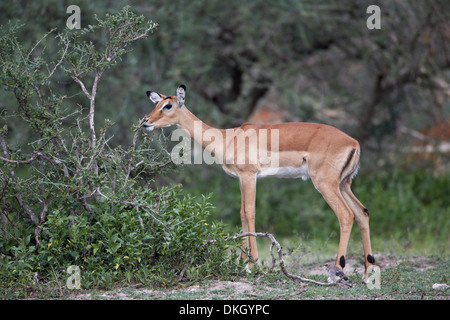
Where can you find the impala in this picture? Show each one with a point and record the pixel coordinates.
(301, 150)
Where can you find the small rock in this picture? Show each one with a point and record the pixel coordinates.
(440, 286)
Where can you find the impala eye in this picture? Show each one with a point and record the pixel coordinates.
(168, 106)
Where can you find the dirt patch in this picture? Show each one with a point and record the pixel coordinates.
(237, 288)
(121, 294)
(261, 289)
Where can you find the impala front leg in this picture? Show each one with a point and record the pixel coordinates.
(247, 183)
(244, 225)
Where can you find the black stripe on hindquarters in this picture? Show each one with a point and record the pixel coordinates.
(347, 163)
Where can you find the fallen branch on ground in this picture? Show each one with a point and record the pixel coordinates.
(275, 243)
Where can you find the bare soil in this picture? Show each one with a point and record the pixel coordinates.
(281, 288)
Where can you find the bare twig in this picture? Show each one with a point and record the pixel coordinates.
(275, 243)
(133, 148)
(57, 65)
(57, 281)
(38, 42)
(38, 230)
(98, 75)
(32, 158)
(83, 87)
(18, 194)
(188, 262)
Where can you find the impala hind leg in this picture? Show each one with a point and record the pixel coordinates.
(332, 195)
(362, 218)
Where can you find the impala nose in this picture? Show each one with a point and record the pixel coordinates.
(148, 127)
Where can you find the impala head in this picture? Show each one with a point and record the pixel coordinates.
(167, 110)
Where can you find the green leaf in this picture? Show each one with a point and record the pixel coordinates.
(96, 248)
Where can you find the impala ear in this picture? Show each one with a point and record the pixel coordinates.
(181, 95)
(154, 96)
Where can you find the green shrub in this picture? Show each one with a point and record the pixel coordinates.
(70, 194)
(120, 243)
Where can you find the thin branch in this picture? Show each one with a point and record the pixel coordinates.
(275, 243)
(57, 65)
(141, 36)
(83, 87)
(39, 228)
(188, 262)
(38, 42)
(98, 75)
(32, 158)
(133, 148)
(18, 194)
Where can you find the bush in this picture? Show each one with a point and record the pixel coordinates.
(68, 196)
(159, 245)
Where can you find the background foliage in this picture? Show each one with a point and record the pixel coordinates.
(304, 60)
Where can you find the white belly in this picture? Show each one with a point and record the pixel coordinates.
(285, 172)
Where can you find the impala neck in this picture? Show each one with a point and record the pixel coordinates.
(197, 128)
